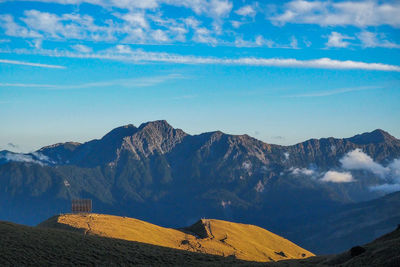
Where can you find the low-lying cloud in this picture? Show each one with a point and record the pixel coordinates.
(337, 177)
(34, 157)
(358, 160)
(301, 171)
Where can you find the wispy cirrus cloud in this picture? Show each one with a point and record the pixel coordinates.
(126, 54)
(40, 65)
(335, 92)
(127, 83)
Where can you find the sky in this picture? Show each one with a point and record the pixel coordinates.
(280, 71)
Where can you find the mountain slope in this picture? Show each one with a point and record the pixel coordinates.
(384, 251)
(25, 246)
(349, 225)
(246, 242)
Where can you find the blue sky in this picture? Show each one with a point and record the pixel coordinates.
(281, 71)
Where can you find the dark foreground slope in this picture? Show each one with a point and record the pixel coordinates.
(384, 251)
(23, 245)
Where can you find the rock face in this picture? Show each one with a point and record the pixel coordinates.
(161, 174)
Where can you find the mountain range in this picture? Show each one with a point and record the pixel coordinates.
(157, 173)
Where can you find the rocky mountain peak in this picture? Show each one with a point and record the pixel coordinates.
(154, 136)
(121, 132)
(374, 137)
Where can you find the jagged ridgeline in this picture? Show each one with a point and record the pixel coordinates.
(164, 175)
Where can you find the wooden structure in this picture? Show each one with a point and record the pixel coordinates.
(81, 206)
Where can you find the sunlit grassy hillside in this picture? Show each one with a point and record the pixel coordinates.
(247, 242)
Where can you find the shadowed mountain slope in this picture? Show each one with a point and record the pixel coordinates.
(246, 242)
(384, 251)
(349, 225)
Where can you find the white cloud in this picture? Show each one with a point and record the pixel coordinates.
(48, 25)
(259, 41)
(13, 29)
(301, 171)
(220, 8)
(329, 13)
(160, 36)
(370, 39)
(246, 11)
(337, 177)
(203, 35)
(392, 179)
(31, 158)
(136, 19)
(125, 4)
(123, 49)
(358, 160)
(82, 48)
(395, 168)
(16, 62)
(293, 43)
(336, 39)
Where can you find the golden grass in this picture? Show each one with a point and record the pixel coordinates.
(246, 242)
(36, 246)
